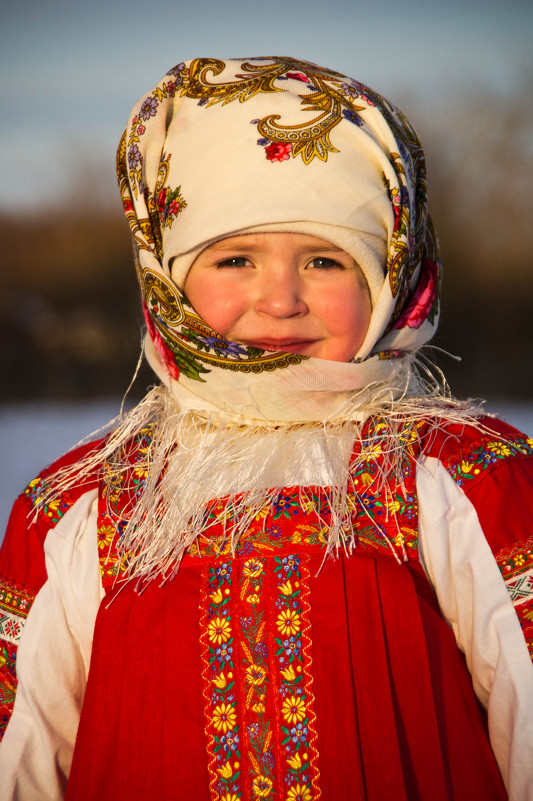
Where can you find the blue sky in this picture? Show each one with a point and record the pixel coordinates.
(71, 71)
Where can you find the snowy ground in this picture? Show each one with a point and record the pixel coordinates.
(32, 435)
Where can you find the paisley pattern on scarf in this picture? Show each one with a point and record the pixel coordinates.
(187, 345)
(330, 99)
(155, 197)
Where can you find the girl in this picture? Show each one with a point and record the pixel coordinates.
(298, 569)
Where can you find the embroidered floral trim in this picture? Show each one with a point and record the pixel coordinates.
(224, 730)
(295, 687)
(516, 565)
(15, 598)
(296, 515)
(471, 463)
(118, 492)
(8, 683)
(53, 509)
(248, 650)
(15, 603)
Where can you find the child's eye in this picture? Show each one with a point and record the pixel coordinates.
(323, 263)
(233, 261)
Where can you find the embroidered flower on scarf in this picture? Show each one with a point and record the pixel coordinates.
(278, 151)
(424, 303)
(351, 116)
(179, 71)
(148, 108)
(171, 88)
(134, 157)
(166, 355)
(169, 204)
(222, 346)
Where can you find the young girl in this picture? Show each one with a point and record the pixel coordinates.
(298, 569)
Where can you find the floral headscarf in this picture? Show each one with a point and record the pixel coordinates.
(222, 147)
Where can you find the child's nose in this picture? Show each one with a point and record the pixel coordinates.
(280, 294)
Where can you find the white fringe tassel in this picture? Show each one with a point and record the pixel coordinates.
(193, 458)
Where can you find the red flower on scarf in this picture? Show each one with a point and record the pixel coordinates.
(277, 151)
(161, 199)
(163, 350)
(396, 210)
(298, 76)
(419, 308)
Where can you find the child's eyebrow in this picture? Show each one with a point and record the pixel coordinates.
(250, 246)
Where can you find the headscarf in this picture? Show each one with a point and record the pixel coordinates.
(220, 148)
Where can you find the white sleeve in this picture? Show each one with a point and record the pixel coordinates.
(53, 662)
(474, 599)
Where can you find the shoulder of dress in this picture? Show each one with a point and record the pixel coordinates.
(73, 468)
(471, 450)
(36, 511)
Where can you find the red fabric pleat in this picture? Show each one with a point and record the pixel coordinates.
(390, 664)
(396, 716)
(141, 734)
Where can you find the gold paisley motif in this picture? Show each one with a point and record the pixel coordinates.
(309, 139)
(261, 80)
(158, 290)
(252, 364)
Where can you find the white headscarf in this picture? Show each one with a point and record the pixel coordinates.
(219, 148)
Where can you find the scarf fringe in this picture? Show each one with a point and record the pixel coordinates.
(185, 461)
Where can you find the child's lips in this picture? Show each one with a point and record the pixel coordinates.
(282, 345)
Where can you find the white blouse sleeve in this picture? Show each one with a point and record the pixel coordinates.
(53, 662)
(474, 599)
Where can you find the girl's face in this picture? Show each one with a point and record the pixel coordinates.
(282, 292)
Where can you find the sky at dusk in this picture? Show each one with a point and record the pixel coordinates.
(71, 71)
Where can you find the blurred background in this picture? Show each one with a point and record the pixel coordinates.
(71, 71)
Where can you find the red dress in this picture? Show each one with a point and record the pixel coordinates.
(276, 673)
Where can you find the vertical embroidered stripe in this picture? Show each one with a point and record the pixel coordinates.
(258, 700)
